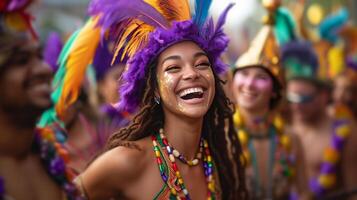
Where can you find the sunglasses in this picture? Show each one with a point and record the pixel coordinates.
(299, 98)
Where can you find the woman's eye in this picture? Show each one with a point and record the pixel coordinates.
(263, 77)
(203, 65)
(172, 68)
(243, 72)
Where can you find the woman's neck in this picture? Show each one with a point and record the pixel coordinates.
(183, 134)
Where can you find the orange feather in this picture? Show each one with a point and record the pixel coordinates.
(80, 56)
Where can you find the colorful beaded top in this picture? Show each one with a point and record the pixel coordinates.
(281, 159)
(170, 174)
(327, 178)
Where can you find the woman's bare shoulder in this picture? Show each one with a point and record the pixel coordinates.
(116, 168)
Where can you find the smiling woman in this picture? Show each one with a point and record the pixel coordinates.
(181, 142)
(186, 81)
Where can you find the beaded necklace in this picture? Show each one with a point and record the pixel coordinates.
(280, 148)
(160, 140)
(54, 157)
(327, 177)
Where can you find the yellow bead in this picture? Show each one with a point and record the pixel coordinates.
(331, 155)
(178, 175)
(278, 123)
(211, 186)
(243, 137)
(285, 141)
(245, 158)
(327, 180)
(209, 159)
(180, 180)
(173, 191)
(157, 153)
(237, 119)
(343, 131)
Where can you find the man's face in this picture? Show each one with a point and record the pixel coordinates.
(306, 101)
(25, 82)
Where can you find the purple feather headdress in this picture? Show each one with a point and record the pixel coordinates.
(164, 25)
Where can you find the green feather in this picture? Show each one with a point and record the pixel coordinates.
(50, 115)
(284, 26)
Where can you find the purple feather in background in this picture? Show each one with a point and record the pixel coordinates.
(109, 15)
(352, 62)
(14, 5)
(103, 58)
(52, 50)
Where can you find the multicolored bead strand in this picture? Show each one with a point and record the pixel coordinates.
(178, 155)
(283, 155)
(332, 156)
(56, 157)
(207, 164)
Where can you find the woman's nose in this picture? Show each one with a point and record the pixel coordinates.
(190, 73)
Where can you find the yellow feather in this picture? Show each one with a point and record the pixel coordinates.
(80, 56)
(172, 10)
(137, 32)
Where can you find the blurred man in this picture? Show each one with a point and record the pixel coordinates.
(329, 142)
(31, 163)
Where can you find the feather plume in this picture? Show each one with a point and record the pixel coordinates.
(139, 19)
(50, 115)
(201, 12)
(74, 64)
(284, 26)
(172, 10)
(329, 28)
(222, 19)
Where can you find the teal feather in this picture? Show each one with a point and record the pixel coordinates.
(284, 26)
(201, 12)
(49, 116)
(329, 27)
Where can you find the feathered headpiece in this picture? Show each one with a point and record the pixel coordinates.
(13, 15)
(145, 28)
(299, 60)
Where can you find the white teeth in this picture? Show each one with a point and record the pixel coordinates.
(190, 90)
